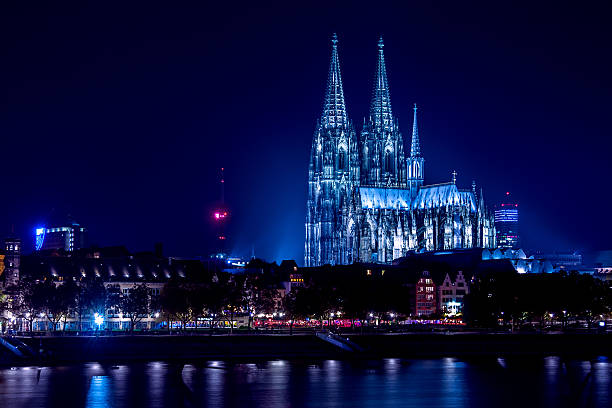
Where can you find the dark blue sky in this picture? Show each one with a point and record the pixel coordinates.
(121, 115)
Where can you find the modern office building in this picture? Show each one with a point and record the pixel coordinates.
(507, 223)
(66, 236)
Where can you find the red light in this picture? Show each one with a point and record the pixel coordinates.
(220, 215)
(507, 193)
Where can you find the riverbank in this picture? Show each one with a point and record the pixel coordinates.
(118, 349)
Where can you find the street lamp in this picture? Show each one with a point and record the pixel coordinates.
(98, 319)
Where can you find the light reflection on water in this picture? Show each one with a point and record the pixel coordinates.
(99, 392)
(448, 382)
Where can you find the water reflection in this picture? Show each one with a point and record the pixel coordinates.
(549, 382)
(99, 395)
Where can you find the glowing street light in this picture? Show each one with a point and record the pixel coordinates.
(98, 319)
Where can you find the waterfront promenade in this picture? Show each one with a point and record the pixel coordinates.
(245, 347)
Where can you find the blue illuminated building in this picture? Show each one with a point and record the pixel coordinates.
(67, 236)
(507, 223)
(367, 201)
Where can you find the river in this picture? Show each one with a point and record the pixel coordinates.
(446, 382)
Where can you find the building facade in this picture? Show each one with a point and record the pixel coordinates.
(12, 261)
(507, 223)
(367, 201)
(426, 302)
(451, 293)
(68, 237)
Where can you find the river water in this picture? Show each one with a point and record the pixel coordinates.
(446, 382)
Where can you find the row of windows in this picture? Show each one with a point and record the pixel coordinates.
(428, 297)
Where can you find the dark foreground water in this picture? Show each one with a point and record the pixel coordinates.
(448, 382)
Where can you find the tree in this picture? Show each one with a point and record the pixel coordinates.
(91, 297)
(135, 304)
(258, 299)
(310, 302)
(234, 298)
(294, 308)
(4, 306)
(175, 301)
(69, 294)
(54, 300)
(223, 298)
(24, 304)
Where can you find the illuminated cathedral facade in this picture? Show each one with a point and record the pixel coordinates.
(367, 201)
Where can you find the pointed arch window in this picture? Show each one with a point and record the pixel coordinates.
(389, 162)
(342, 159)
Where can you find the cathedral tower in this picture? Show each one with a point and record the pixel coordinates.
(366, 201)
(333, 170)
(382, 146)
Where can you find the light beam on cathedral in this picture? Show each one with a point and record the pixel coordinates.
(367, 202)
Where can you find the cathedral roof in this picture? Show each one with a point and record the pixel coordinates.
(385, 198)
(440, 195)
(434, 196)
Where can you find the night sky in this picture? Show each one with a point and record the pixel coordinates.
(122, 115)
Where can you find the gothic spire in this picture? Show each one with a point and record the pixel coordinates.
(334, 110)
(415, 146)
(380, 110)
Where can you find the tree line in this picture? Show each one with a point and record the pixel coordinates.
(179, 301)
(516, 299)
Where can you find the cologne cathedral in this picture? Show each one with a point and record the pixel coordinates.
(367, 201)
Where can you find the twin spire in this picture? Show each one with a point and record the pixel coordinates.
(380, 111)
(334, 108)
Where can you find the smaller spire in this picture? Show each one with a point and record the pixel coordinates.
(454, 173)
(415, 146)
(481, 204)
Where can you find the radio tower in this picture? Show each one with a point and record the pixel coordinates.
(220, 217)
